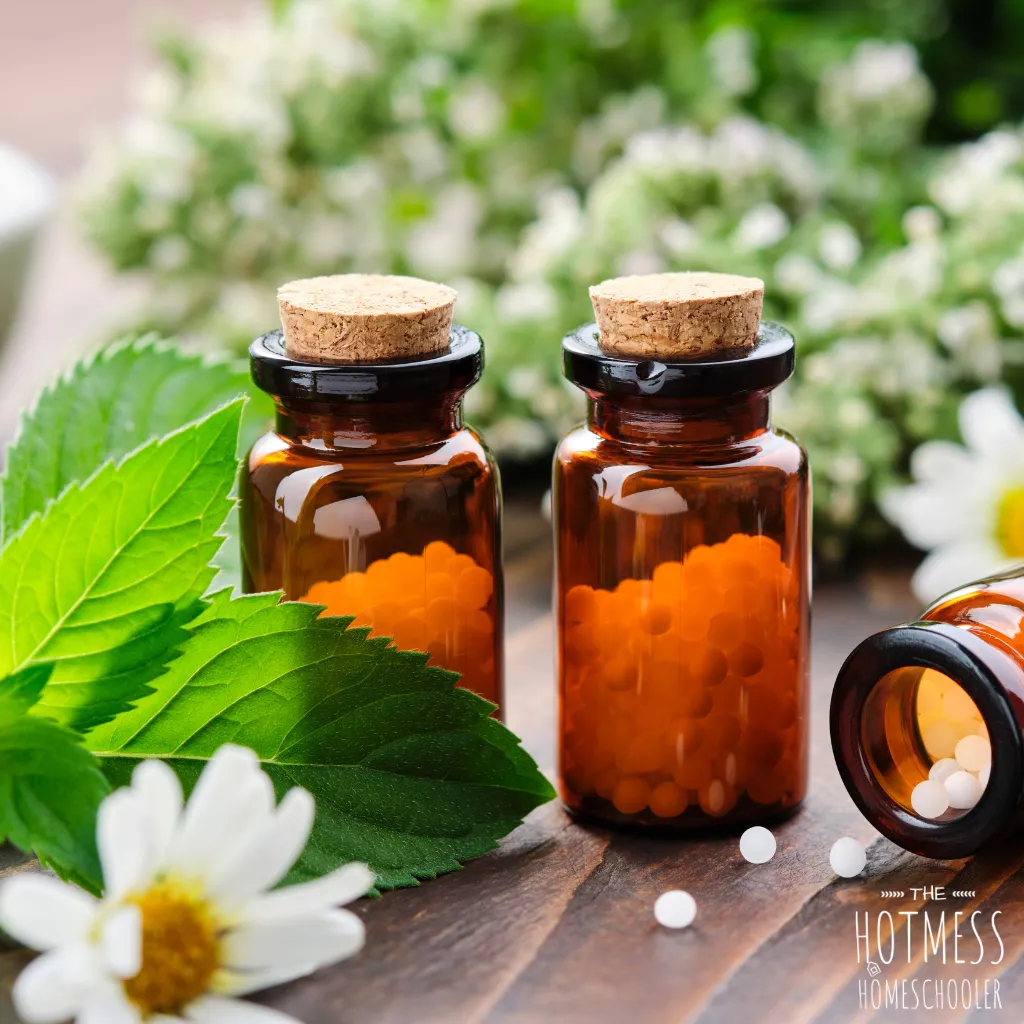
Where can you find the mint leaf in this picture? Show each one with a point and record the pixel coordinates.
(50, 785)
(106, 407)
(409, 772)
(104, 581)
(21, 690)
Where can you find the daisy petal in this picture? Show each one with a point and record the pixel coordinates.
(304, 943)
(160, 794)
(333, 890)
(266, 860)
(121, 942)
(244, 983)
(44, 913)
(214, 1010)
(229, 806)
(938, 513)
(939, 461)
(111, 1007)
(990, 424)
(955, 565)
(56, 985)
(121, 834)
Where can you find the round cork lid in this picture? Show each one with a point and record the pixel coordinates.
(356, 318)
(677, 316)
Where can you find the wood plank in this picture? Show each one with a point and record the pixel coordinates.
(557, 925)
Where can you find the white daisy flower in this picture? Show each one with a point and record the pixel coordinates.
(186, 922)
(966, 505)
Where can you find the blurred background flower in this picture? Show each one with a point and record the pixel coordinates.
(860, 157)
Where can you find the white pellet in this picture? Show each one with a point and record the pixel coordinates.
(963, 790)
(675, 909)
(943, 768)
(757, 845)
(929, 799)
(973, 753)
(984, 774)
(847, 857)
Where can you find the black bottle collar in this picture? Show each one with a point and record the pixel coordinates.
(455, 369)
(761, 368)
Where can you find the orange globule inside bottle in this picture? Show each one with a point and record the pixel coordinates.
(372, 498)
(437, 602)
(682, 585)
(927, 717)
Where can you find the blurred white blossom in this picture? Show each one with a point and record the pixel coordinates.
(443, 139)
(965, 506)
(731, 56)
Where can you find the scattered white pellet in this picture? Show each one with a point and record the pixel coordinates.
(847, 857)
(675, 909)
(973, 753)
(757, 845)
(984, 774)
(929, 799)
(943, 768)
(963, 790)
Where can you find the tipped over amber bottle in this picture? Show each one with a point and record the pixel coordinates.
(370, 495)
(681, 524)
(939, 703)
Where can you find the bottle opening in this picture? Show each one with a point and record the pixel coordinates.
(927, 743)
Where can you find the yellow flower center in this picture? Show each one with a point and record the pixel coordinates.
(179, 951)
(1010, 523)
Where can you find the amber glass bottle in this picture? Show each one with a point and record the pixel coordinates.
(372, 497)
(921, 700)
(681, 522)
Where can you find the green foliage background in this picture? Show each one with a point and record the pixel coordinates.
(522, 149)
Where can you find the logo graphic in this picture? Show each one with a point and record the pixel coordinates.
(936, 957)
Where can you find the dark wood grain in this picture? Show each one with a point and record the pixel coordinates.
(557, 925)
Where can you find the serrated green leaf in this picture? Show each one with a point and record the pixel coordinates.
(50, 785)
(21, 691)
(106, 407)
(104, 581)
(409, 772)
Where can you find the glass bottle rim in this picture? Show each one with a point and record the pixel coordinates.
(976, 667)
(761, 368)
(456, 368)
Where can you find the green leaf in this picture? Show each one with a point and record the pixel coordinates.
(409, 772)
(104, 581)
(106, 407)
(50, 785)
(21, 690)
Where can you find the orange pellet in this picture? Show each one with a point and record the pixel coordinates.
(436, 602)
(631, 794)
(683, 691)
(667, 800)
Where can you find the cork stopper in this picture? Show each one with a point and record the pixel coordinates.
(357, 318)
(677, 316)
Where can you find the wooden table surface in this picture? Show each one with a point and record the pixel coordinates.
(557, 925)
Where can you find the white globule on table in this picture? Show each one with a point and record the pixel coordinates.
(675, 909)
(757, 845)
(847, 857)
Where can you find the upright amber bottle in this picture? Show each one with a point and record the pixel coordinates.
(682, 590)
(908, 698)
(372, 497)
